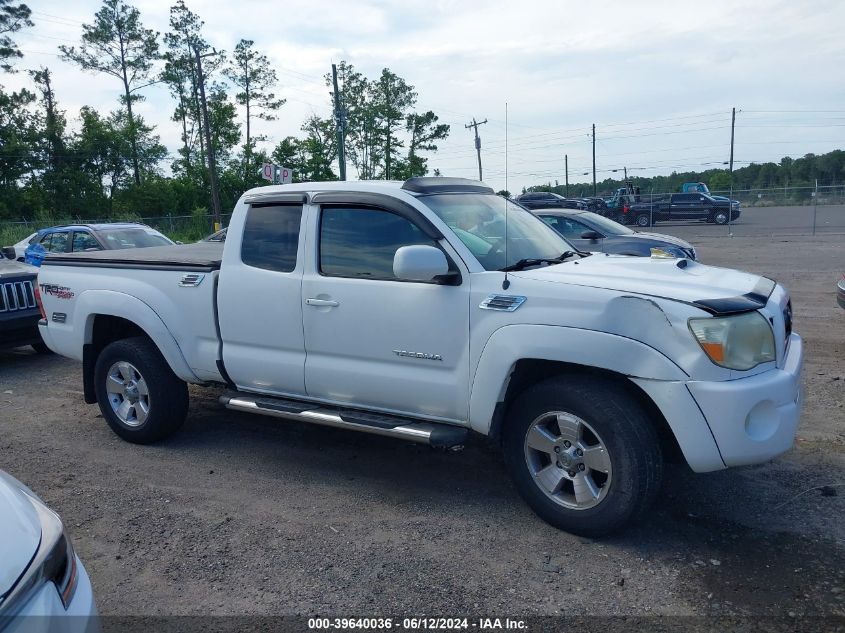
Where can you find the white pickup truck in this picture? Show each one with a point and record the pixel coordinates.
(429, 309)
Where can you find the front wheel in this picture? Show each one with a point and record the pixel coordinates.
(140, 397)
(583, 454)
(643, 219)
(720, 217)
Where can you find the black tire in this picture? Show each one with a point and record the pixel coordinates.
(720, 217)
(643, 219)
(628, 436)
(41, 348)
(168, 395)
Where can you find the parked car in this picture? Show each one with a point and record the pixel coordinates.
(592, 232)
(681, 206)
(18, 250)
(19, 312)
(840, 292)
(540, 200)
(547, 200)
(427, 309)
(76, 238)
(217, 236)
(43, 584)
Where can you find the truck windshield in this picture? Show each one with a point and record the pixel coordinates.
(478, 220)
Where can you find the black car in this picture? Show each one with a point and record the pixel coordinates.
(592, 232)
(19, 312)
(541, 200)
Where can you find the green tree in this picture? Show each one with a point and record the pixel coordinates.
(391, 98)
(13, 17)
(117, 44)
(424, 131)
(252, 73)
(180, 75)
(20, 130)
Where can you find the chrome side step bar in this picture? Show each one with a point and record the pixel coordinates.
(432, 433)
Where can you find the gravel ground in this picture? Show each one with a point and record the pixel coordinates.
(240, 514)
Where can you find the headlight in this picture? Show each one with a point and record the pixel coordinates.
(55, 561)
(742, 341)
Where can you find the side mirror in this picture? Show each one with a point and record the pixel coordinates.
(590, 235)
(419, 263)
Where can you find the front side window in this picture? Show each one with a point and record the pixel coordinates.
(567, 227)
(271, 237)
(497, 232)
(83, 241)
(361, 242)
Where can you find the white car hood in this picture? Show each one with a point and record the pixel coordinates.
(690, 282)
(20, 531)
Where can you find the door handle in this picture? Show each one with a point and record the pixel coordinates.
(326, 303)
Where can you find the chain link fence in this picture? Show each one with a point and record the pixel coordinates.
(182, 228)
(766, 211)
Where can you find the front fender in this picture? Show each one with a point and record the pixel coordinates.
(601, 350)
(69, 338)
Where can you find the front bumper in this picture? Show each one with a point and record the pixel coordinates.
(19, 329)
(733, 422)
(754, 419)
(45, 613)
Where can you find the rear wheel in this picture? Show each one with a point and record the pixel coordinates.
(41, 348)
(139, 395)
(582, 454)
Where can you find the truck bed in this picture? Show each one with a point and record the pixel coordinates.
(200, 256)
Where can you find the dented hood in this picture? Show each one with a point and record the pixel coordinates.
(716, 290)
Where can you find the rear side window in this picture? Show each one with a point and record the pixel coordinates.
(55, 243)
(359, 242)
(271, 237)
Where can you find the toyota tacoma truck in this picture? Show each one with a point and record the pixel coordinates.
(432, 309)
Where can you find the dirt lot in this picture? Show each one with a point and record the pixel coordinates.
(241, 514)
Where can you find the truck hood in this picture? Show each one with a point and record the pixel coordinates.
(20, 532)
(664, 278)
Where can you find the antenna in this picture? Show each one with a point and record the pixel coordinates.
(506, 283)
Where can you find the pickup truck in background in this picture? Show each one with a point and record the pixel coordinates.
(681, 207)
(432, 309)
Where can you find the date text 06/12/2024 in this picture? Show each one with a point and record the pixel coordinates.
(416, 624)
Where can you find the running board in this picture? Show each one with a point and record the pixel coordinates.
(432, 433)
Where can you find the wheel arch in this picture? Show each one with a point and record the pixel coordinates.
(529, 371)
(109, 319)
(517, 356)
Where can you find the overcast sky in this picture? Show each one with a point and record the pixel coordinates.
(657, 78)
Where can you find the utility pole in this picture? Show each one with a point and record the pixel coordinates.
(566, 162)
(212, 165)
(475, 125)
(340, 122)
(594, 159)
(625, 169)
(731, 169)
